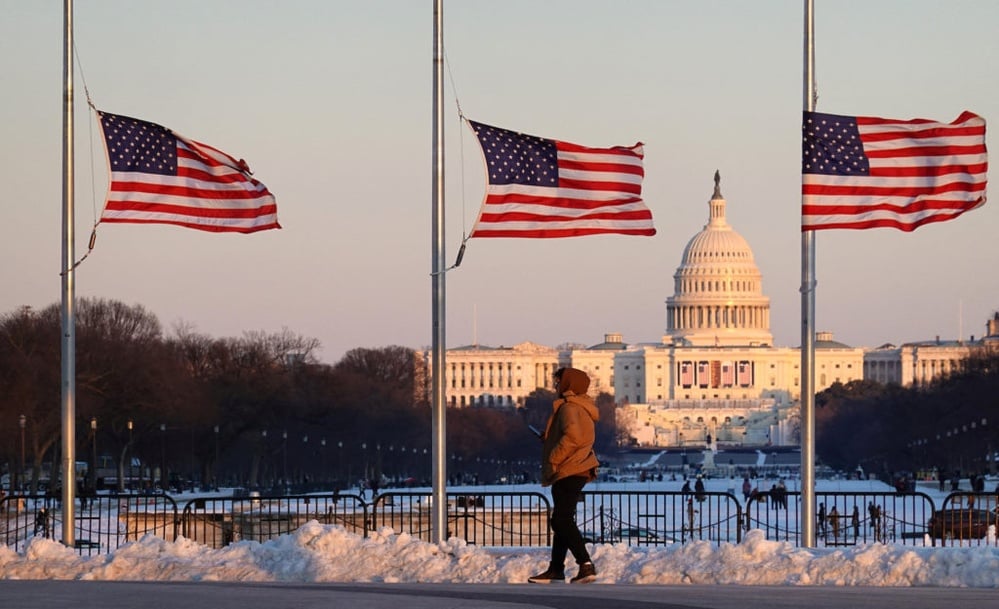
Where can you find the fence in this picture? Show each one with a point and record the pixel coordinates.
(844, 518)
(105, 522)
(659, 518)
(487, 518)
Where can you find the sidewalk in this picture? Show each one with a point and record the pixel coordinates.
(228, 595)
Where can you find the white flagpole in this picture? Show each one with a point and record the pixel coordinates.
(438, 517)
(68, 290)
(808, 320)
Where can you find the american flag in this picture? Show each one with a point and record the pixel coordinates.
(686, 374)
(703, 374)
(541, 188)
(727, 374)
(745, 374)
(160, 177)
(864, 172)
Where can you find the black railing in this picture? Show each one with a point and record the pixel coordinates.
(659, 518)
(102, 522)
(482, 518)
(637, 518)
(844, 518)
(966, 518)
(219, 521)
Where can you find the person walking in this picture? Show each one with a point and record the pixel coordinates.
(567, 464)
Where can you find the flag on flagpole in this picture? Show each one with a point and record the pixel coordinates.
(864, 172)
(542, 188)
(161, 177)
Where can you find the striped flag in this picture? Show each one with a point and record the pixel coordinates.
(686, 374)
(703, 374)
(863, 172)
(744, 374)
(541, 188)
(160, 177)
(727, 374)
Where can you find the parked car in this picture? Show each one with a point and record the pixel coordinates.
(961, 523)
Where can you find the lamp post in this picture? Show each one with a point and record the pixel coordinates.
(93, 454)
(339, 463)
(284, 458)
(263, 458)
(364, 450)
(163, 473)
(22, 421)
(128, 454)
(322, 459)
(303, 474)
(215, 469)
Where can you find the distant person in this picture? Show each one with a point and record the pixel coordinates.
(747, 488)
(42, 521)
(691, 514)
(567, 464)
(699, 493)
(834, 522)
(822, 519)
(874, 513)
(685, 489)
(855, 521)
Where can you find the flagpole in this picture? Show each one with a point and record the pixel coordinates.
(808, 319)
(438, 517)
(68, 290)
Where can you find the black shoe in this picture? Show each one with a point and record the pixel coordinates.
(549, 576)
(587, 573)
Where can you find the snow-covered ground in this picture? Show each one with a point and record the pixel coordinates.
(322, 553)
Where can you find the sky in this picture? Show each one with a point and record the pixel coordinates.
(328, 553)
(330, 104)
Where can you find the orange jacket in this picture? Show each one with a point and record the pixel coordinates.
(567, 443)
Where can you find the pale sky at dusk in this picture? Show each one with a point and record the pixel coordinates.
(330, 104)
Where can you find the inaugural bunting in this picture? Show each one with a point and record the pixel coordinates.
(161, 177)
(541, 188)
(864, 172)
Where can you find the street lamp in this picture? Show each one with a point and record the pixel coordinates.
(305, 451)
(128, 454)
(215, 470)
(284, 458)
(93, 443)
(263, 450)
(22, 421)
(364, 450)
(163, 473)
(322, 459)
(339, 463)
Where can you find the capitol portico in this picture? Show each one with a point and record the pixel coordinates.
(715, 372)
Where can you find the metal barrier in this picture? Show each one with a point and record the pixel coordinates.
(659, 518)
(965, 519)
(844, 518)
(652, 518)
(482, 518)
(103, 522)
(219, 521)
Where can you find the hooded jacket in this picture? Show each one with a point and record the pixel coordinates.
(567, 443)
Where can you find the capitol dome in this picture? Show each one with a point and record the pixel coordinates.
(718, 290)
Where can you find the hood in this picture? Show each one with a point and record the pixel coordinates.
(573, 380)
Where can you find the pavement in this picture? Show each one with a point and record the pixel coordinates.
(47, 594)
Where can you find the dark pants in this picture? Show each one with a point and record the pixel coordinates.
(565, 534)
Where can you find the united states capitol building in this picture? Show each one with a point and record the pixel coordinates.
(716, 374)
